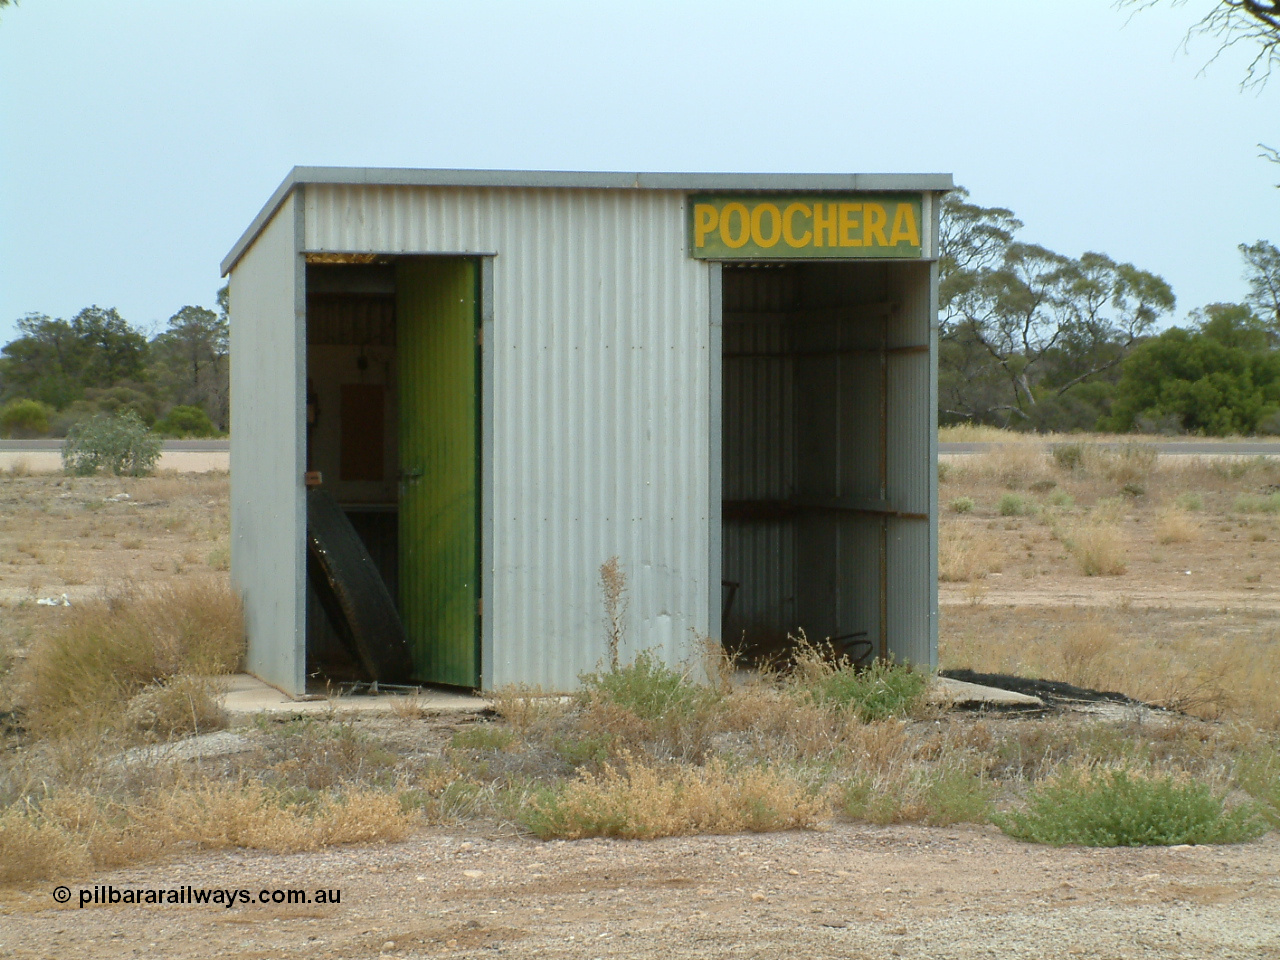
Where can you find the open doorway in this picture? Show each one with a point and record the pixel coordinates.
(393, 439)
(814, 506)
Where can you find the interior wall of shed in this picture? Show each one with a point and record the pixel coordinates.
(808, 511)
(352, 427)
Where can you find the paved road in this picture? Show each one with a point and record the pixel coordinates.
(1200, 448)
(192, 446)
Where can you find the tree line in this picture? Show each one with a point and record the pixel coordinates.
(1031, 339)
(59, 372)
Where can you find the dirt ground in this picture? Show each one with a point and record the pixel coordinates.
(851, 891)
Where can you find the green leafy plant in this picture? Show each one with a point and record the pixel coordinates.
(962, 505)
(24, 418)
(1014, 505)
(121, 444)
(1061, 499)
(648, 688)
(1126, 808)
(186, 421)
(1254, 503)
(1190, 501)
(880, 691)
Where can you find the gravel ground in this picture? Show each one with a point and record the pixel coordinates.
(851, 892)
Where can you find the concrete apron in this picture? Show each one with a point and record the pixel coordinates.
(247, 696)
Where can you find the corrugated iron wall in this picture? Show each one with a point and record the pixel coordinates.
(912, 474)
(826, 440)
(268, 514)
(600, 389)
(758, 444)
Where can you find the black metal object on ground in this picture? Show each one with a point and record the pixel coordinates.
(352, 592)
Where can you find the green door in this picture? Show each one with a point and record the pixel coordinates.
(437, 315)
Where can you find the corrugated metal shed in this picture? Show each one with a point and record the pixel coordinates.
(603, 363)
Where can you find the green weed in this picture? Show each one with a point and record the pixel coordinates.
(881, 691)
(1124, 808)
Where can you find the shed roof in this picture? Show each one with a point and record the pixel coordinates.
(571, 180)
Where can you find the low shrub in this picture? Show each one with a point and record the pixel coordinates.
(24, 418)
(1176, 526)
(186, 421)
(176, 707)
(1124, 808)
(1014, 505)
(122, 444)
(1069, 456)
(1062, 500)
(1255, 503)
(1098, 549)
(647, 688)
(938, 798)
(1190, 501)
(1258, 774)
(962, 505)
(636, 800)
(1126, 463)
(878, 692)
(85, 672)
(70, 834)
(967, 552)
(484, 736)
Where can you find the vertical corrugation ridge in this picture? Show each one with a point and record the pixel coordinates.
(595, 302)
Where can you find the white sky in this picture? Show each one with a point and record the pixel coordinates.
(138, 139)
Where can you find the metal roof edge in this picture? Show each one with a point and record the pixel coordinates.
(260, 221)
(610, 180)
(581, 180)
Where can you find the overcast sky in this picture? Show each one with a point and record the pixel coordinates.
(138, 139)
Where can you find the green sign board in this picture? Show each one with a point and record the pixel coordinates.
(822, 226)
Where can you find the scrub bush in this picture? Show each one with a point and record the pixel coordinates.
(880, 691)
(638, 800)
(87, 672)
(648, 688)
(186, 421)
(122, 444)
(1014, 505)
(24, 418)
(1123, 808)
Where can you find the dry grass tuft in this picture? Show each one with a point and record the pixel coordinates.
(176, 707)
(1126, 463)
(1175, 525)
(981, 433)
(71, 834)
(1099, 549)
(966, 551)
(1015, 466)
(1082, 652)
(639, 800)
(526, 708)
(106, 652)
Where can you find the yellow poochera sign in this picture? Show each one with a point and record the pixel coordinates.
(817, 226)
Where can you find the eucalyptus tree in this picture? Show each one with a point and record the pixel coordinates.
(1020, 324)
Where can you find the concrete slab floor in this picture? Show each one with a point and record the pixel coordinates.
(960, 693)
(247, 696)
